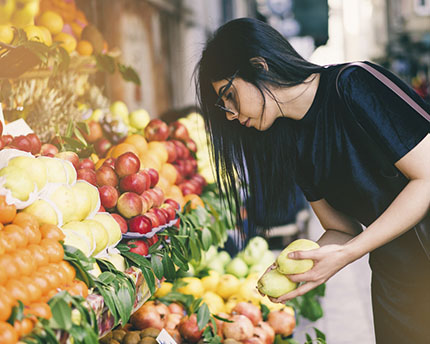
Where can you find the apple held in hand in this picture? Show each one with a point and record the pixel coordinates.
(289, 266)
(275, 284)
(138, 247)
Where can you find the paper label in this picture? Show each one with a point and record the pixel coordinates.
(165, 338)
(15, 128)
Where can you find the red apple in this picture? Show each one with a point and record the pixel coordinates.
(171, 151)
(22, 143)
(160, 195)
(88, 175)
(95, 130)
(154, 197)
(145, 174)
(106, 176)
(7, 139)
(101, 146)
(156, 130)
(35, 143)
(162, 220)
(170, 211)
(133, 182)
(184, 152)
(200, 179)
(188, 168)
(173, 203)
(178, 131)
(109, 162)
(101, 209)
(198, 188)
(69, 156)
(127, 163)
(153, 218)
(140, 224)
(86, 163)
(151, 241)
(191, 145)
(141, 247)
(129, 205)
(146, 203)
(108, 196)
(187, 188)
(154, 176)
(121, 221)
(48, 148)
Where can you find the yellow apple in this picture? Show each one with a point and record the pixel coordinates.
(275, 284)
(289, 266)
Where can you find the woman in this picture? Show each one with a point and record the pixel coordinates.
(359, 152)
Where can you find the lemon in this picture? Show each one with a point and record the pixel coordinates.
(210, 283)
(214, 302)
(6, 10)
(25, 15)
(139, 118)
(164, 289)
(68, 41)
(47, 38)
(227, 286)
(194, 287)
(34, 33)
(84, 48)
(6, 34)
(52, 21)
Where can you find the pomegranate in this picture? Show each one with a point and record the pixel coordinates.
(251, 311)
(269, 331)
(240, 329)
(282, 322)
(175, 335)
(176, 308)
(147, 317)
(162, 309)
(189, 329)
(261, 335)
(173, 320)
(253, 340)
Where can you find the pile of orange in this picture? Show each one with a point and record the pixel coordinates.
(32, 270)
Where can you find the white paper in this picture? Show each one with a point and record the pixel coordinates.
(165, 338)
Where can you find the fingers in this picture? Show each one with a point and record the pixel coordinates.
(303, 289)
(307, 276)
(311, 254)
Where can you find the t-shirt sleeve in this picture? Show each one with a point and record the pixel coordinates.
(309, 190)
(391, 122)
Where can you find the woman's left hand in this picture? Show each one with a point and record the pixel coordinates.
(327, 259)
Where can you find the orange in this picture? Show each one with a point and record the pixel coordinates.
(16, 234)
(53, 249)
(123, 148)
(139, 142)
(84, 48)
(78, 288)
(77, 29)
(69, 270)
(163, 184)
(41, 281)
(34, 290)
(5, 307)
(8, 265)
(176, 194)
(50, 231)
(68, 42)
(39, 255)
(39, 309)
(8, 334)
(30, 225)
(99, 163)
(195, 200)
(23, 327)
(159, 149)
(3, 277)
(49, 295)
(150, 160)
(7, 211)
(169, 172)
(24, 262)
(18, 290)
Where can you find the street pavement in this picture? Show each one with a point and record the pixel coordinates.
(347, 304)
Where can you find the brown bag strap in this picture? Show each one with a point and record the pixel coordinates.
(390, 84)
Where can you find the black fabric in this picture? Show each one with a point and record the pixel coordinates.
(336, 162)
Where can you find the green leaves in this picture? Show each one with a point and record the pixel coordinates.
(74, 141)
(203, 316)
(308, 305)
(107, 63)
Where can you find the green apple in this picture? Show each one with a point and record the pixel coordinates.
(237, 267)
(18, 181)
(56, 170)
(289, 266)
(111, 226)
(139, 118)
(223, 257)
(101, 235)
(37, 168)
(82, 229)
(64, 198)
(275, 284)
(254, 250)
(216, 265)
(43, 211)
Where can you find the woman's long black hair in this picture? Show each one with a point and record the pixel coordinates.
(263, 161)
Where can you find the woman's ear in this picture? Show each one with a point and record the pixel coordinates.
(259, 62)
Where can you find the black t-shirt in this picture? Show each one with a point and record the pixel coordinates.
(336, 162)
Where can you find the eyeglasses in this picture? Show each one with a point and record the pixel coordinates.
(220, 103)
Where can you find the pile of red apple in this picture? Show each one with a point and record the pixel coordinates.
(27, 143)
(180, 148)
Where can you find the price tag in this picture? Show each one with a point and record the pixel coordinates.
(15, 128)
(165, 338)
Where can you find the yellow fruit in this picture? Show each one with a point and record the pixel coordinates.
(84, 48)
(34, 33)
(159, 149)
(17, 180)
(6, 10)
(194, 287)
(6, 33)
(139, 119)
(37, 168)
(248, 290)
(111, 226)
(232, 302)
(164, 289)
(101, 235)
(91, 190)
(214, 302)
(47, 37)
(25, 15)
(77, 30)
(289, 266)
(227, 286)
(210, 283)
(44, 212)
(52, 21)
(68, 41)
(56, 170)
(64, 198)
(76, 239)
(275, 284)
(273, 306)
(82, 229)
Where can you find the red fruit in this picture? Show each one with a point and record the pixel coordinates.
(141, 247)
(153, 218)
(127, 163)
(95, 130)
(101, 209)
(86, 163)
(7, 139)
(88, 175)
(189, 329)
(191, 145)
(172, 202)
(1, 128)
(48, 148)
(36, 145)
(251, 311)
(160, 195)
(147, 316)
(176, 308)
(108, 196)
(187, 188)
(200, 179)
(109, 162)
(268, 330)
(69, 156)
(146, 203)
(22, 143)
(156, 201)
(171, 151)
(133, 182)
(129, 205)
(101, 146)
(106, 176)
(156, 130)
(140, 224)
(122, 222)
(178, 131)
(162, 220)
(183, 152)
(282, 322)
(170, 211)
(145, 174)
(153, 240)
(240, 329)
(154, 176)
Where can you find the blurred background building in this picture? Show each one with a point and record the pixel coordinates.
(163, 39)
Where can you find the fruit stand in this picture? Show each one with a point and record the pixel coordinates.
(111, 225)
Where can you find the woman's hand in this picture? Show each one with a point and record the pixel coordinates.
(327, 259)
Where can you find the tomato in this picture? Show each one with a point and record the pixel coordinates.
(39, 255)
(53, 249)
(17, 234)
(24, 262)
(50, 231)
(8, 334)
(7, 211)
(39, 309)
(19, 291)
